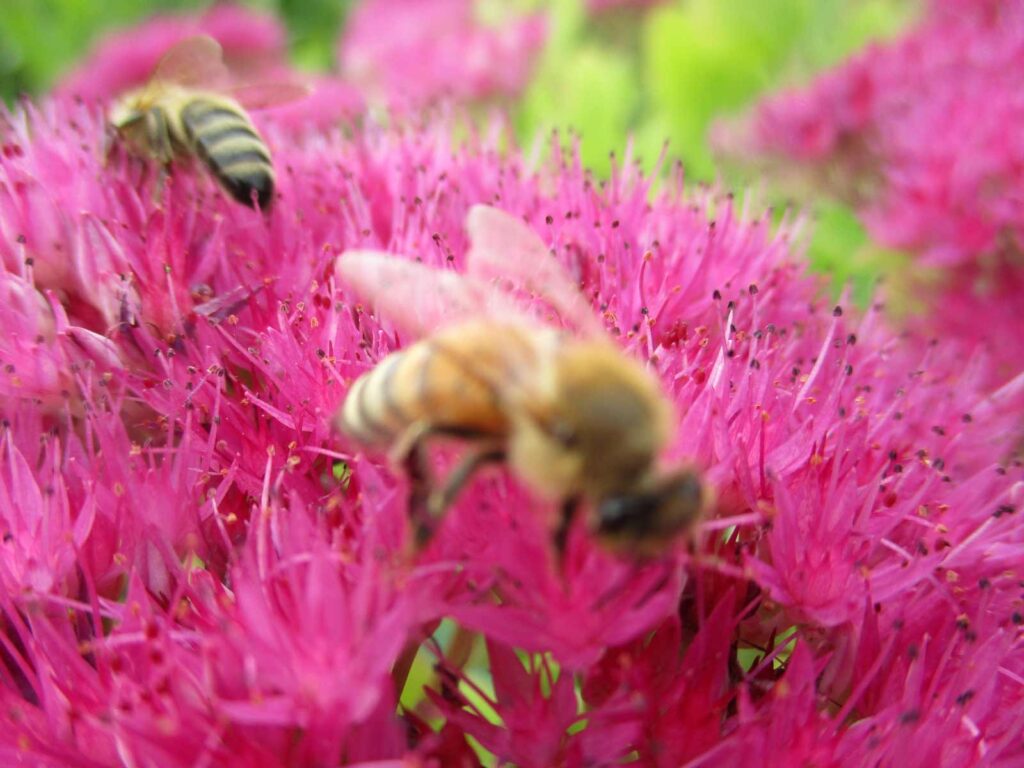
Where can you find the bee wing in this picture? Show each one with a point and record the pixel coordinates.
(219, 307)
(420, 299)
(265, 95)
(195, 62)
(504, 249)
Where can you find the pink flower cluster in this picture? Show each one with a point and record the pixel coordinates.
(253, 43)
(435, 50)
(409, 53)
(197, 571)
(920, 134)
(415, 53)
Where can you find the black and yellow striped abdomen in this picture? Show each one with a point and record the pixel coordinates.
(220, 134)
(451, 382)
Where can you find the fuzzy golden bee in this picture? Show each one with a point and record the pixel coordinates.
(186, 110)
(571, 414)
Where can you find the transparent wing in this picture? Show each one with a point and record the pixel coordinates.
(195, 62)
(266, 95)
(419, 299)
(219, 307)
(504, 249)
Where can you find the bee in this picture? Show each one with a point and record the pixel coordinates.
(184, 111)
(569, 413)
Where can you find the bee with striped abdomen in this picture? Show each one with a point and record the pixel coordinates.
(570, 413)
(185, 110)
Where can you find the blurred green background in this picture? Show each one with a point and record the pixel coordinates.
(657, 74)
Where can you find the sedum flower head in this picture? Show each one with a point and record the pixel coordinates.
(197, 571)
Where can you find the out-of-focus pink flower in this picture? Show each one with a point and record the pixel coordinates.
(534, 725)
(254, 53)
(979, 304)
(201, 572)
(253, 43)
(985, 9)
(788, 729)
(669, 703)
(919, 134)
(331, 102)
(414, 52)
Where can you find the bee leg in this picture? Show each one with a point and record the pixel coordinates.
(417, 468)
(442, 498)
(408, 441)
(107, 148)
(160, 185)
(427, 503)
(567, 515)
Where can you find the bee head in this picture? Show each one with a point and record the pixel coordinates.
(646, 519)
(126, 123)
(126, 110)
